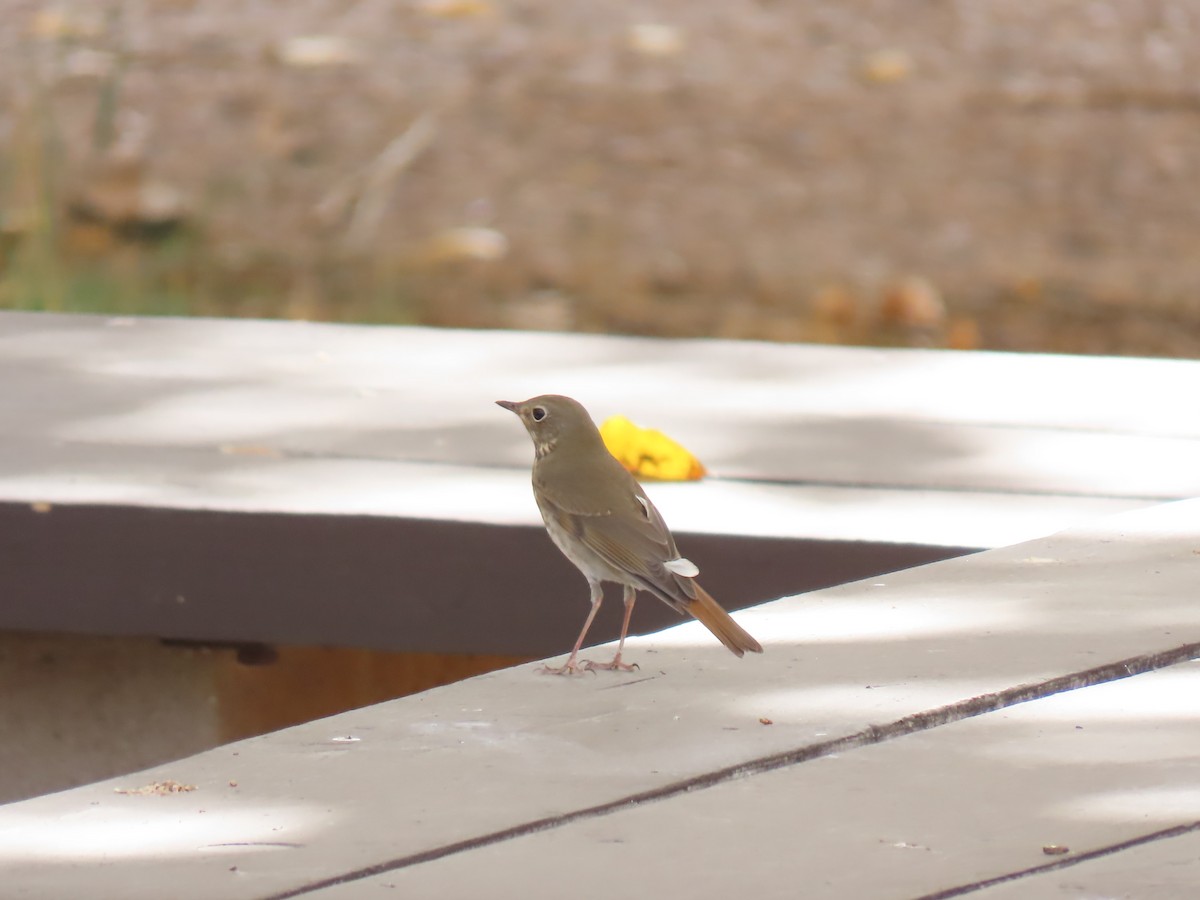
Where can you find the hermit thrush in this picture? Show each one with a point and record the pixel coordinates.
(603, 522)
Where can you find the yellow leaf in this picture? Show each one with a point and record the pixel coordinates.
(648, 453)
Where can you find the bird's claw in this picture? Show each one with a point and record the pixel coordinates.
(570, 667)
(616, 665)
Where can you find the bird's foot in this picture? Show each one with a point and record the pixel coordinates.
(570, 667)
(615, 666)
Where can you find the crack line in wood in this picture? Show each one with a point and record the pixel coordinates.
(1165, 834)
(872, 734)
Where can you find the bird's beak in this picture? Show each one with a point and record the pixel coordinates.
(508, 404)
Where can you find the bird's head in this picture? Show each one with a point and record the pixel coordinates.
(552, 418)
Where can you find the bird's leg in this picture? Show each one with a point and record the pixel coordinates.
(570, 667)
(630, 597)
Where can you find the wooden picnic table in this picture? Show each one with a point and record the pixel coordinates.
(921, 733)
(930, 733)
(304, 483)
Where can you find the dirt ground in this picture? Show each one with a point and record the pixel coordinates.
(995, 173)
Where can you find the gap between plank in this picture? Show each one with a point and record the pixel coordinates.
(1165, 834)
(872, 734)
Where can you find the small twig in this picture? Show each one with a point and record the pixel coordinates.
(367, 190)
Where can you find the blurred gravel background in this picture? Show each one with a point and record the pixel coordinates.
(976, 174)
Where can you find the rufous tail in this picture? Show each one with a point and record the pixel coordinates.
(709, 613)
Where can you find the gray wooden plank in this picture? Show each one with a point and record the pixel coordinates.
(935, 419)
(207, 478)
(507, 749)
(1166, 869)
(970, 802)
(331, 447)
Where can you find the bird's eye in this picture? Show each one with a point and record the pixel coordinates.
(538, 413)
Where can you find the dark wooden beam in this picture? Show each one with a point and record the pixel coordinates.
(361, 581)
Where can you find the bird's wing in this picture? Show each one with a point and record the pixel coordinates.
(639, 544)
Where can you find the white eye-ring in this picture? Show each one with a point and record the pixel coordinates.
(538, 413)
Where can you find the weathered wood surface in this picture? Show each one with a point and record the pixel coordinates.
(275, 481)
(930, 729)
(243, 408)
